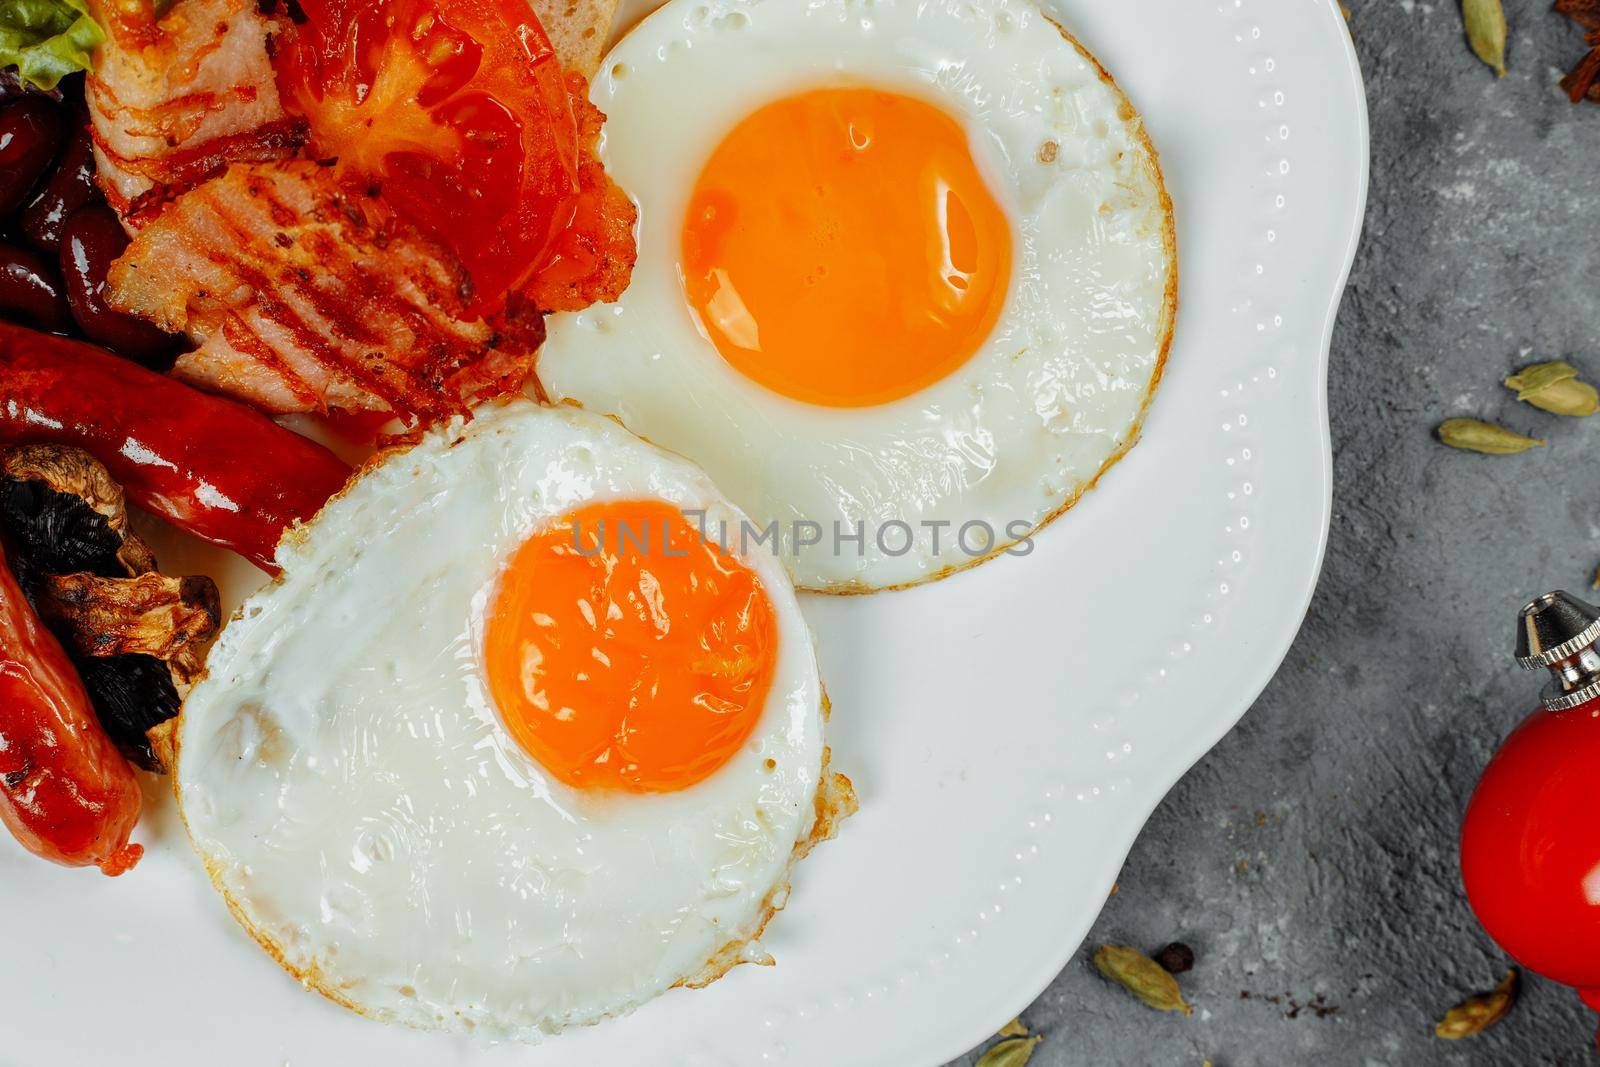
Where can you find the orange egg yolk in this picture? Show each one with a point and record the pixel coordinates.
(625, 651)
(841, 248)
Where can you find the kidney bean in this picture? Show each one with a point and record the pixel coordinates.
(31, 290)
(68, 188)
(30, 133)
(70, 90)
(91, 241)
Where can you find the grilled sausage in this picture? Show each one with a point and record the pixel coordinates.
(65, 792)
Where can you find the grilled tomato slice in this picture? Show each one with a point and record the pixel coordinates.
(456, 111)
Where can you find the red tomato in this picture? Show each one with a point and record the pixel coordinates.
(1530, 846)
(456, 110)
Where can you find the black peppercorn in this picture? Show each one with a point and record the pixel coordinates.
(1176, 958)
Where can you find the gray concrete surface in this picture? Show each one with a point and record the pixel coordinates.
(1310, 860)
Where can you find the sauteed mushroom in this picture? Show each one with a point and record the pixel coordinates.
(137, 637)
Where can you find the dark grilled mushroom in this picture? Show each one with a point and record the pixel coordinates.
(151, 615)
(61, 536)
(136, 636)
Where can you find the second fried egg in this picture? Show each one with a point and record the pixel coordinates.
(906, 276)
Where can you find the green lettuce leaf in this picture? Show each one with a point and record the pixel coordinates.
(47, 39)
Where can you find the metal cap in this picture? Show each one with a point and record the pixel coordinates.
(1559, 632)
(1555, 627)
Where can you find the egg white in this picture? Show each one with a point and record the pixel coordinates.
(344, 774)
(1019, 432)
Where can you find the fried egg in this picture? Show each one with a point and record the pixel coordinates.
(906, 277)
(510, 746)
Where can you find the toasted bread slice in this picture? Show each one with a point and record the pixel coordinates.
(579, 30)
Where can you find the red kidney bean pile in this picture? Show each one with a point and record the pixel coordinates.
(58, 237)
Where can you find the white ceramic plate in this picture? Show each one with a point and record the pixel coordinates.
(1009, 729)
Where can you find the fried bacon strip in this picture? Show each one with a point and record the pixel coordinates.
(303, 289)
(174, 100)
(305, 296)
(594, 258)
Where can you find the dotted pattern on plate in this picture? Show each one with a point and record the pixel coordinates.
(1235, 396)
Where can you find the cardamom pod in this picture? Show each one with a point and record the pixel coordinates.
(1476, 1014)
(1596, 584)
(1141, 976)
(1486, 31)
(1011, 1053)
(1531, 379)
(1554, 387)
(1571, 397)
(1475, 436)
(1014, 1028)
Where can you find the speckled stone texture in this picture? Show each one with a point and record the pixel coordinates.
(1311, 859)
